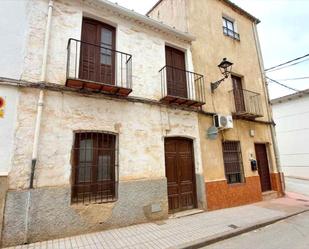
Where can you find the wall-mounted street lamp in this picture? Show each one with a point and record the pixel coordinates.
(225, 67)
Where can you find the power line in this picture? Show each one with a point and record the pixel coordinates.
(275, 81)
(288, 65)
(298, 78)
(282, 64)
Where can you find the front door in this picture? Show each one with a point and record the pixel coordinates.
(238, 95)
(175, 72)
(97, 59)
(263, 168)
(180, 173)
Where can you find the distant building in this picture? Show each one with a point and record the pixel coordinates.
(291, 115)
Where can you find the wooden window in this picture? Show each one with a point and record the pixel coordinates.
(232, 161)
(95, 170)
(229, 28)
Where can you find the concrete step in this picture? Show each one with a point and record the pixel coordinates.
(269, 195)
(185, 213)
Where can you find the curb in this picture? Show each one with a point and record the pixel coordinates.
(230, 234)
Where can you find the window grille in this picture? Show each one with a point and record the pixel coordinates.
(229, 28)
(95, 168)
(232, 161)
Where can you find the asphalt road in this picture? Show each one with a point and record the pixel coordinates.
(286, 234)
(297, 186)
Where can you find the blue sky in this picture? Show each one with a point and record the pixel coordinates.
(283, 32)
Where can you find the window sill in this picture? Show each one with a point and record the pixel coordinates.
(85, 204)
(232, 37)
(238, 184)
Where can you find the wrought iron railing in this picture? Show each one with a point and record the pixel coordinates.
(182, 84)
(99, 64)
(231, 33)
(246, 103)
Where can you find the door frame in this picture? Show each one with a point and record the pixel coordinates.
(266, 144)
(195, 201)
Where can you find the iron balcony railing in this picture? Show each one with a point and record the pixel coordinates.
(181, 84)
(231, 33)
(98, 64)
(246, 103)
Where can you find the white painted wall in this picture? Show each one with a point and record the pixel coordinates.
(7, 127)
(146, 46)
(292, 127)
(141, 129)
(13, 28)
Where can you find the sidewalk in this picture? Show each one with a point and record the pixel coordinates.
(186, 232)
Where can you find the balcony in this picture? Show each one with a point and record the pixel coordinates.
(246, 104)
(183, 88)
(99, 69)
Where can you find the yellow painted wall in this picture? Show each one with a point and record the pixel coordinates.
(211, 150)
(204, 20)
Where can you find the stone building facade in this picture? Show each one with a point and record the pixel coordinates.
(96, 130)
(229, 32)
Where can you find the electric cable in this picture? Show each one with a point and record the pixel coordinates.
(282, 64)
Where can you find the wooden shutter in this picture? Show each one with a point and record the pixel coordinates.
(97, 58)
(176, 74)
(238, 95)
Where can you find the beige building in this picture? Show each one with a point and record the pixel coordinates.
(223, 30)
(106, 114)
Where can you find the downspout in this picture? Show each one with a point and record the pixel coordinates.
(39, 116)
(268, 106)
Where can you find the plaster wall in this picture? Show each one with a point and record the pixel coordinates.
(146, 46)
(204, 21)
(292, 129)
(172, 13)
(13, 32)
(212, 45)
(212, 149)
(141, 129)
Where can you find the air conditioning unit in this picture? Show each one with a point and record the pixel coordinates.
(223, 121)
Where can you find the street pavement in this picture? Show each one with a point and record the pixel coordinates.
(286, 234)
(184, 232)
(297, 185)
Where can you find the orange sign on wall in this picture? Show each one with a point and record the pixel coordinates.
(2, 104)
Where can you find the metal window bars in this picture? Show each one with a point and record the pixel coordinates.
(231, 33)
(246, 103)
(95, 168)
(182, 87)
(232, 161)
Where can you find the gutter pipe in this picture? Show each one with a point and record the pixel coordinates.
(38, 118)
(268, 107)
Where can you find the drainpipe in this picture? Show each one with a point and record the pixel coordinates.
(39, 116)
(268, 107)
(41, 96)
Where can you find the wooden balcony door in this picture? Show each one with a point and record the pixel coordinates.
(97, 55)
(175, 72)
(238, 95)
(263, 167)
(180, 173)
